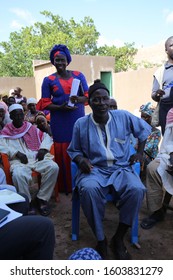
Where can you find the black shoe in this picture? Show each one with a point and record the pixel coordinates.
(43, 207)
(156, 217)
(119, 250)
(101, 248)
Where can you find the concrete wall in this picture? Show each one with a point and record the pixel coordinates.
(133, 88)
(26, 83)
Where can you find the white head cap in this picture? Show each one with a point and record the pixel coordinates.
(15, 106)
(11, 91)
(31, 100)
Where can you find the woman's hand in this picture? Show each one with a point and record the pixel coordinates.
(78, 99)
(65, 107)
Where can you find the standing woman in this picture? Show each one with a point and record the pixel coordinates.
(56, 90)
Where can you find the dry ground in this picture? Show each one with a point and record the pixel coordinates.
(156, 243)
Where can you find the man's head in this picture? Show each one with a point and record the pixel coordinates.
(17, 91)
(16, 115)
(11, 100)
(113, 104)
(24, 105)
(98, 98)
(31, 105)
(169, 47)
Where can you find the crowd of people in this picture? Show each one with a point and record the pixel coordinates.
(99, 143)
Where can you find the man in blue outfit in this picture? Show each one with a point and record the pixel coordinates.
(101, 148)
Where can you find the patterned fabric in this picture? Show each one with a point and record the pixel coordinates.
(85, 254)
(31, 135)
(147, 109)
(57, 91)
(151, 146)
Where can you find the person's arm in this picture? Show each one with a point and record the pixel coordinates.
(157, 92)
(83, 163)
(62, 107)
(151, 146)
(138, 157)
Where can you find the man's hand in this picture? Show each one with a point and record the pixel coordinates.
(22, 157)
(41, 153)
(170, 166)
(136, 158)
(85, 165)
(159, 93)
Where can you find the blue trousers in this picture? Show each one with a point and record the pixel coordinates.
(93, 199)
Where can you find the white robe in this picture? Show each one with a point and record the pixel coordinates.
(165, 149)
(22, 173)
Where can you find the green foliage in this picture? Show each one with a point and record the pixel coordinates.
(34, 43)
(123, 55)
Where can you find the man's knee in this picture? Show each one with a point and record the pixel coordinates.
(151, 168)
(53, 167)
(138, 192)
(20, 173)
(89, 187)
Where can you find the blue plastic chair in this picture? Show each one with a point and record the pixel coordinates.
(76, 207)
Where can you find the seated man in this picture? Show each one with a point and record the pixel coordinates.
(31, 110)
(100, 147)
(26, 237)
(153, 140)
(159, 176)
(28, 149)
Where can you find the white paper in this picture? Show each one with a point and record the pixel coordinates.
(12, 216)
(8, 196)
(74, 90)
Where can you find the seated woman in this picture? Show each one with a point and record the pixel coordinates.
(42, 123)
(153, 140)
(152, 143)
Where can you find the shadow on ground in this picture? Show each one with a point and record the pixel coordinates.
(156, 243)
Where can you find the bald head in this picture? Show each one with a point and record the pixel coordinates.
(168, 42)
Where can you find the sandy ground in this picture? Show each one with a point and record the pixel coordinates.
(156, 243)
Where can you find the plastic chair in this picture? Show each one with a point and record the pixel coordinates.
(6, 167)
(76, 208)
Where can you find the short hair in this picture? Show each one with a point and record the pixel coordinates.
(167, 41)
